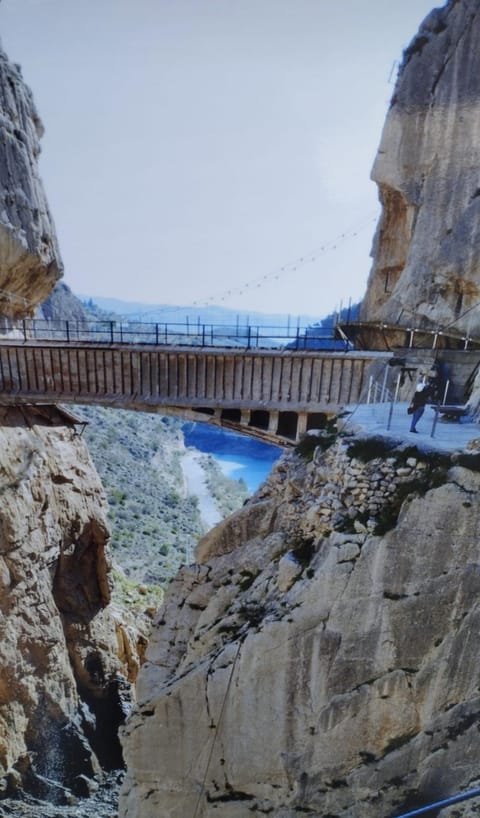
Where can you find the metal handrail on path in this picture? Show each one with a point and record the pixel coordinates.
(379, 393)
(447, 802)
(192, 333)
(427, 338)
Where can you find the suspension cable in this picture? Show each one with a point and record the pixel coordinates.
(8, 296)
(217, 728)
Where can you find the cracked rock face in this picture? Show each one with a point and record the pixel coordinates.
(30, 261)
(426, 269)
(59, 644)
(308, 664)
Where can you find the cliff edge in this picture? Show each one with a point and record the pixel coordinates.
(30, 262)
(426, 269)
(319, 658)
(61, 682)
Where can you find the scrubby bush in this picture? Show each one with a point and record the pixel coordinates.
(370, 448)
(310, 442)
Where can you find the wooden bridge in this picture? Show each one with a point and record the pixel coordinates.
(274, 394)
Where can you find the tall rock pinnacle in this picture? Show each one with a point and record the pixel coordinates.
(426, 269)
(30, 261)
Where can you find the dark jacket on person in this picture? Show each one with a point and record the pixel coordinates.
(421, 397)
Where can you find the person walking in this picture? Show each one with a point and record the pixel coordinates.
(417, 405)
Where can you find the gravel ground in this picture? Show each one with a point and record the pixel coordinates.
(101, 804)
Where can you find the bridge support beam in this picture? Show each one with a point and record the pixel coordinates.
(273, 422)
(245, 417)
(302, 420)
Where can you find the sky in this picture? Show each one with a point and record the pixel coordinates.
(203, 152)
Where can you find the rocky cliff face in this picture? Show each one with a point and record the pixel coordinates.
(61, 305)
(320, 656)
(30, 262)
(62, 688)
(426, 269)
(61, 685)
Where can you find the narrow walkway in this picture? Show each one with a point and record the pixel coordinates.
(373, 418)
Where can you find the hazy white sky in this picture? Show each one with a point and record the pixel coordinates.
(194, 148)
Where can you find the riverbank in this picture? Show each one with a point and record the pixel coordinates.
(196, 485)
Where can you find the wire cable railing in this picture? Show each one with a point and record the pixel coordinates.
(192, 333)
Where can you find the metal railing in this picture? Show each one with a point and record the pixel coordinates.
(447, 802)
(192, 333)
(427, 338)
(378, 392)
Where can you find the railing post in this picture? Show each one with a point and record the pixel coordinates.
(24, 329)
(394, 400)
(156, 334)
(370, 386)
(166, 333)
(68, 330)
(111, 331)
(249, 336)
(203, 335)
(384, 385)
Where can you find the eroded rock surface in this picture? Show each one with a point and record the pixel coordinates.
(426, 269)
(30, 261)
(320, 657)
(62, 686)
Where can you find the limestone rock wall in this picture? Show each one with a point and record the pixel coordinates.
(426, 269)
(320, 657)
(30, 262)
(61, 305)
(60, 681)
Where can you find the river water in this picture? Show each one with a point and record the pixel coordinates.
(239, 456)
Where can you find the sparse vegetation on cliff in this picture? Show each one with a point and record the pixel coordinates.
(229, 494)
(154, 525)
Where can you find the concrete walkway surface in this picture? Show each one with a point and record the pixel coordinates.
(374, 418)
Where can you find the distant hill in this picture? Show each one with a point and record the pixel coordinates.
(61, 304)
(316, 336)
(166, 313)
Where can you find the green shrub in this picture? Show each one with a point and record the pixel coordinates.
(309, 442)
(370, 448)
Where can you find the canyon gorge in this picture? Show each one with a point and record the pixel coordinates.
(318, 655)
